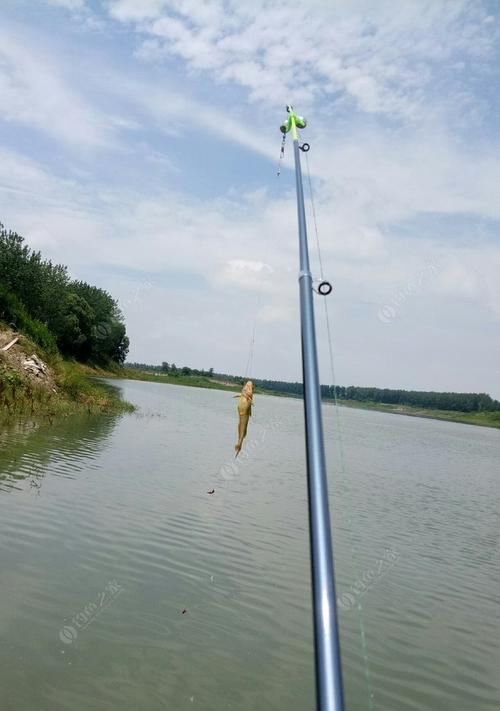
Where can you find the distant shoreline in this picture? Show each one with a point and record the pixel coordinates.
(480, 419)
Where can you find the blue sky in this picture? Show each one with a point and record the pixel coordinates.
(139, 145)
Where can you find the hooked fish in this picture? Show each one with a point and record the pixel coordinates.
(245, 402)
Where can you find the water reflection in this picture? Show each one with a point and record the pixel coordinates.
(28, 450)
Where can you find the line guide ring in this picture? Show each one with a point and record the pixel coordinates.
(324, 288)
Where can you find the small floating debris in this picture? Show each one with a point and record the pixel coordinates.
(211, 491)
(184, 610)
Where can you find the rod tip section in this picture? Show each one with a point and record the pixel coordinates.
(293, 121)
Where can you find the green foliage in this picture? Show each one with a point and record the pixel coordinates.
(75, 393)
(74, 327)
(108, 338)
(74, 383)
(13, 387)
(40, 299)
(12, 311)
(458, 402)
(171, 370)
(12, 379)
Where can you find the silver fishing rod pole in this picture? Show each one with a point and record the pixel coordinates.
(329, 692)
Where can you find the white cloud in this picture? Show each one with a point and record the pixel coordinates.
(458, 279)
(35, 93)
(174, 110)
(384, 61)
(396, 176)
(131, 10)
(69, 4)
(276, 314)
(245, 274)
(22, 177)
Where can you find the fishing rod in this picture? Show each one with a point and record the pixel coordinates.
(329, 691)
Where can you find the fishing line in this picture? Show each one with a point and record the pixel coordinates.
(261, 287)
(249, 366)
(343, 469)
(282, 154)
(315, 221)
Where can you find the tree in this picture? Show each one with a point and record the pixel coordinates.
(84, 319)
(74, 327)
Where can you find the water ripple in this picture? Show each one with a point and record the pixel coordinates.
(214, 603)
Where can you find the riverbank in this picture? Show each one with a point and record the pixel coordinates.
(33, 382)
(36, 383)
(194, 381)
(482, 419)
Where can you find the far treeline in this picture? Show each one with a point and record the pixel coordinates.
(461, 402)
(57, 312)
(170, 369)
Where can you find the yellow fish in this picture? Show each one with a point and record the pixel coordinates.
(245, 403)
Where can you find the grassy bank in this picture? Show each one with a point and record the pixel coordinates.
(483, 419)
(194, 381)
(50, 386)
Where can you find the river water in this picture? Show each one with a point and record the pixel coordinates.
(126, 586)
